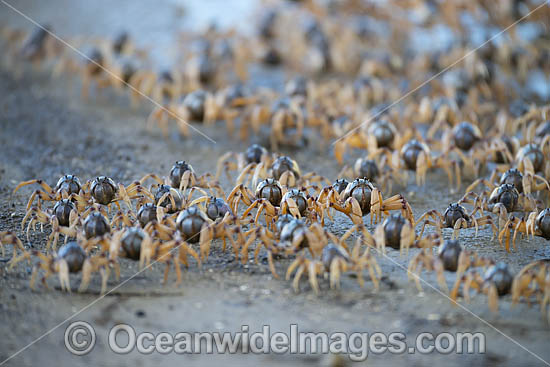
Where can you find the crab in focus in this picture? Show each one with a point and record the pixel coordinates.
(455, 217)
(361, 198)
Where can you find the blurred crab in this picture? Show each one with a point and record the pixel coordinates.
(10, 238)
(535, 224)
(290, 237)
(532, 159)
(246, 163)
(286, 118)
(496, 282)
(71, 258)
(451, 257)
(374, 170)
(335, 260)
(533, 282)
(182, 176)
(416, 156)
(371, 136)
(193, 107)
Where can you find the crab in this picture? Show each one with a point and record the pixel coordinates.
(371, 136)
(286, 117)
(71, 258)
(455, 217)
(137, 245)
(535, 224)
(334, 261)
(268, 196)
(504, 148)
(524, 183)
(465, 142)
(287, 172)
(67, 185)
(531, 158)
(246, 162)
(296, 203)
(39, 45)
(194, 107)
(163, 86)
(194, 226)
(292, 236)
(63, 219)
(504, 199)
(361, 197)
(216, 208)
(416, 156)
(496, 282)
(10, 238)
(228, 104)
(533, 281)
(451, 257)
(374, 170)
(104, 191)
(182, 176)
(268, 239)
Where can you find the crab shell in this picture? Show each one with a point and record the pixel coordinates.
(96, 225)
(131, 242)
(282, 221)
(177, 171)
(361, 190)
(542, 223)
(298, 197)
(283, 164)
(69, 183)
(62, 211)
(74, 255)
(505, 194)
(366, 168)
(195, 104)
(216, 208)
(103, 189)
(254, 153)
(294, 228)
(465, 135)
(340, 185)
(411, 151)
(190, 222)
(449, 254)
(392, 229)
(535, 155)
(331, 252)
(501, 276)
(167, 203)
(453, 213)
(383, 131)
(513, 176)
(147, 213)
(271, 190)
